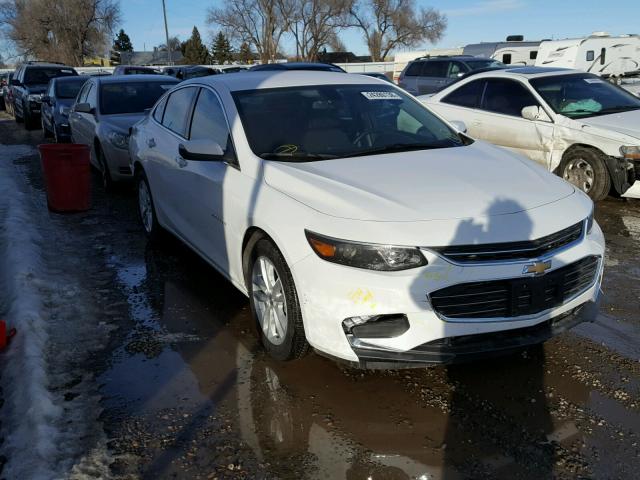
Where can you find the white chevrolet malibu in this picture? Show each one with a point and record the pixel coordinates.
(361, 224)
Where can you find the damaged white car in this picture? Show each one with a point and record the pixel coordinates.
(361, 224)
(576, 124)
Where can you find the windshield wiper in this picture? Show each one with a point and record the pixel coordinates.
(394, 148)
(297, 156)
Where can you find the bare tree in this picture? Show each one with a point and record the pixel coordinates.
(59, 30)
(315, 23)
(260, 23)
(388, 24)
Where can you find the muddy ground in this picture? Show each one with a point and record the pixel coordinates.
(186, 392)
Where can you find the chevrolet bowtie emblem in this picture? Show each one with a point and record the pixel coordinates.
(537, 268)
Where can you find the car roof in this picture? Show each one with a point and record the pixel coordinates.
(46, 65)
(317, 66)
(461, 58)
(135, 78)
(73, 78)
(281, 79)
(525, 72)
(137, 66)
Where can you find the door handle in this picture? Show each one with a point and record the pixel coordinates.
(181, 161)
(151, 143)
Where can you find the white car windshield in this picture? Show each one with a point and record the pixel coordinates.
(584, 95)
(334, 121)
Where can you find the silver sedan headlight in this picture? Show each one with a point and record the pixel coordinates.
(365, 255)
(118, 140)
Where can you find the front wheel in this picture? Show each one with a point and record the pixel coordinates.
(274, 303)
(107, 181)
(586, 169)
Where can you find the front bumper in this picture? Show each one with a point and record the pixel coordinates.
(623, 173)
(118, 161)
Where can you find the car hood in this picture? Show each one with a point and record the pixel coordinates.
(121, 121)
(464, 182)
(625, 123)
(35, 89)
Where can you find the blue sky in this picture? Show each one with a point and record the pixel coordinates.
(469, 20)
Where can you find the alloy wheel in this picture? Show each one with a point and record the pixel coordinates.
(269, 300)
(145, 207)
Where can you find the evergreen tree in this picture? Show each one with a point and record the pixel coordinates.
(221, 49)
(195, 52)
(245, 55)
(122, 42)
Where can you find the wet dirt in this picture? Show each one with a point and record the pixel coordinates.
(187, 392)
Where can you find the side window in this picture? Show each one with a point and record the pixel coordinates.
(92, 96)
(413, 70)
(468, 95)
(533, 54)
(507, 97)
(176, 113)
(455, 69)
(209, 121)
(159, 111)
(590, 55)
(435, 69)
(82, 96)
(506, 59)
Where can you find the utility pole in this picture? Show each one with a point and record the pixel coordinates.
(166, 32)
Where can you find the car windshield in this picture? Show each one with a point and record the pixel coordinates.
(131, 97)
(41, 76)
(140, 71)
(69, 88)
(332, 121)
(478, 64)
(584, 95)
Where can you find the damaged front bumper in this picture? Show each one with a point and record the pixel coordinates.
(472, 347)
(623, 173)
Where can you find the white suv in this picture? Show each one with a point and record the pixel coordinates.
(361, 224)
(575, 124)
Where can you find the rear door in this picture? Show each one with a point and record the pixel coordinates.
(409, 78)
(433, 76)
(462, 104)
(501, 121)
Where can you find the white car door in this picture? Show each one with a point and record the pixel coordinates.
(499, 120)
(462, 104)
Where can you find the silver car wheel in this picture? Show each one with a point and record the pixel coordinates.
(580, 173)
(145, 207)
(269, 300)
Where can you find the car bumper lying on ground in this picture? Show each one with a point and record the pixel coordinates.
(427, 315)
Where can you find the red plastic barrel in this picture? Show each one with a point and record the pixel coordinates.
(67, 176)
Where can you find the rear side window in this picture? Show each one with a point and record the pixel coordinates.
(159, 111)
(176, 113)
(507, 97)
(209, 121)
(413, 70)
(468, 95)
(435, 69)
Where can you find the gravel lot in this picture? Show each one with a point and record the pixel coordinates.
(159, 375)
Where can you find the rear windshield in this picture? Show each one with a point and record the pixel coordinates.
(69, 88)
(131, 97)
(140, 71)
(41, 76)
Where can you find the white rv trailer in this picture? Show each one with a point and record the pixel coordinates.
(598, 53)
(401, 59)
(514, 51)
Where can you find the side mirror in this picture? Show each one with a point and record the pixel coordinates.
(46, 99)
(15, 82)
(458, 126)
(84, 108)
(534, 112)
(202, 150)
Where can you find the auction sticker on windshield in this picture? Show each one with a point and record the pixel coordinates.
(381, 96)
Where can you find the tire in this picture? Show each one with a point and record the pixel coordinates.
(586, 169)
(45, 132)
(267, 270)
(105, 174)
(147, 209)
(29, 123)
(18, 118)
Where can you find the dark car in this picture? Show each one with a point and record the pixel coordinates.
(56, 103)
(4, 88)
(430, 75)
(319, 67)
(135, 70)
(192, 71)
(378, 75)
(29, 84)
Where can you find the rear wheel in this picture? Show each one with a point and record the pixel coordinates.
(586, 169)
(146, 208)
(274, 303)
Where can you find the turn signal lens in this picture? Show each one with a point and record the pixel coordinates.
(365, 255)
(630, 152)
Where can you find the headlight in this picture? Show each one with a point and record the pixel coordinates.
(365, 255)
(119, 140)
(590, 220)
(35, 97)
(64, 111)
(631, 152)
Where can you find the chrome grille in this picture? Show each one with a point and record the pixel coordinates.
(516, 296)
(512, 250)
